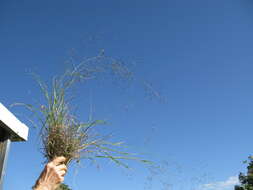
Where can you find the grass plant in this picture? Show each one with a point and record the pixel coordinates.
(62, 134)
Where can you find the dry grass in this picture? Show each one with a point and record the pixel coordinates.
(62, 134)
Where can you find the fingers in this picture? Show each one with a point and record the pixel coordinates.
(61, 179)
(61, 167)
(58, 160)
(56, 168)
(62, 173)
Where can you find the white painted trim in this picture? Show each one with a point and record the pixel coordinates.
(19, 131)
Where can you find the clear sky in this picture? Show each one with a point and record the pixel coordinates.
(196, 53)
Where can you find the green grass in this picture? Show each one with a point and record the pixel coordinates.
(62, 134)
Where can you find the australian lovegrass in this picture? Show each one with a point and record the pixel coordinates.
(62, 134)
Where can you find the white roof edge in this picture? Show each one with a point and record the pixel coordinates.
(19, 130)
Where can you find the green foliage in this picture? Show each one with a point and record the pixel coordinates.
(246, 180)
(62, 134)
(63, 187)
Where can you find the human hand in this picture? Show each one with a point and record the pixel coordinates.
(52, 175)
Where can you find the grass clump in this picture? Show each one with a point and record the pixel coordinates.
(62, 134)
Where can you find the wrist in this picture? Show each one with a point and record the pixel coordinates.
(41, 186)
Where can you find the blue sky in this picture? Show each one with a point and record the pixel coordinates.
(197, 54)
